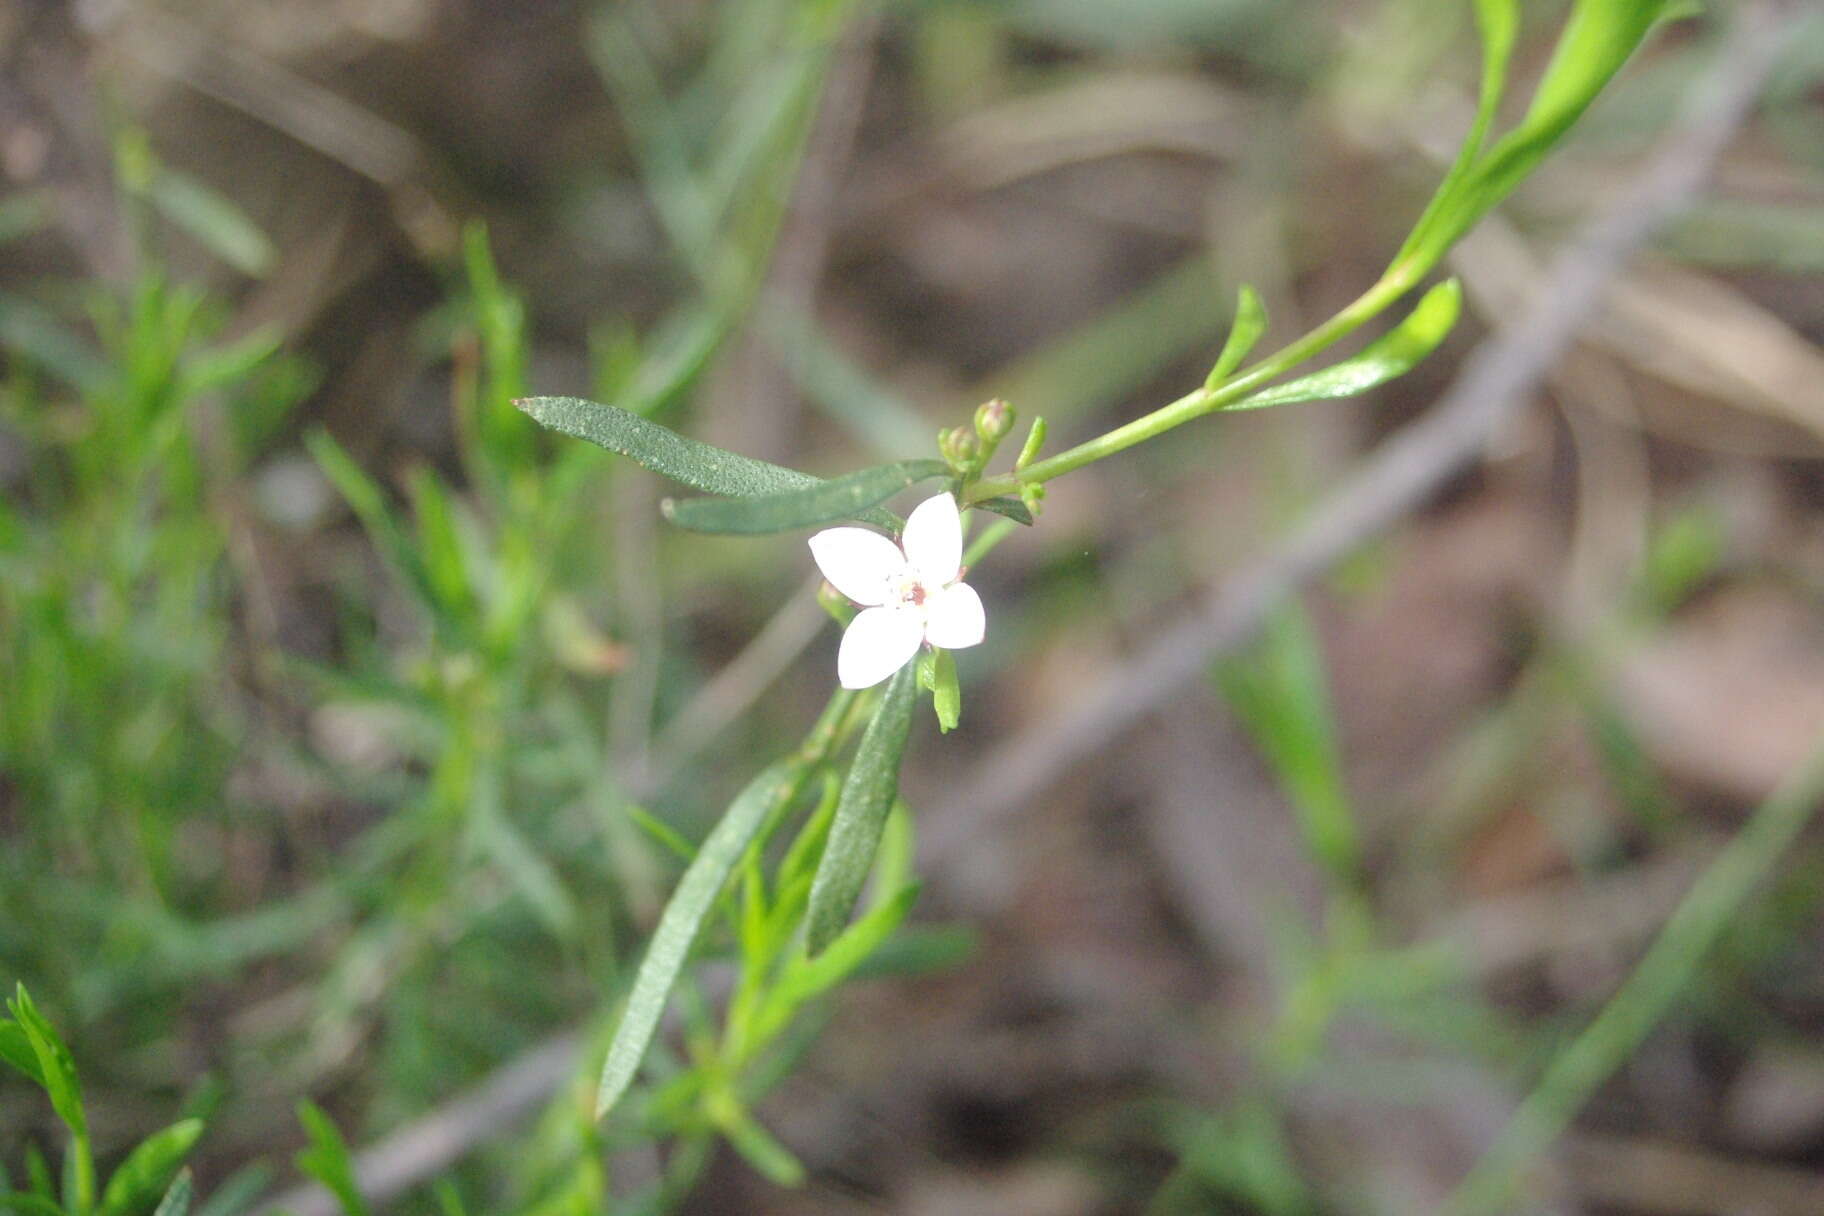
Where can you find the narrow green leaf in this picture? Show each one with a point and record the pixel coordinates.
(846, 497)
(669, 454)
(235, 1194)
(368, 502)
(439, 551)
(1250, 322)
(807, 846)
(26, 1204)
(1280, 692)
(1008, 506)
(814, 976)
(38, 1170)
(750, 923)
(1393, 354)
(1598, 38)
(231, 362)
(861, 812)
(177, 1200)
(662, 832)
(16, 1049)
(56, 1070)
(27, 329)
(661, 449)
(528, 872)
(148, 1169)
(683, 917)
(327, 1159)
(217, 223)
(758, 1146)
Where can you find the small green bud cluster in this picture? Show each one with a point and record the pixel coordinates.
(968, 450)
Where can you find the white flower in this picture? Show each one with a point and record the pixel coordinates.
(908, 596)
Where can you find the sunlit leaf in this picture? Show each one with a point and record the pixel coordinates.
(846, 497)
(1393, 354)
(861, 812)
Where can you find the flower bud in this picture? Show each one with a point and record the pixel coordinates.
(993, 421)
(960, 448)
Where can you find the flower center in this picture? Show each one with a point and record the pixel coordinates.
(909, 590)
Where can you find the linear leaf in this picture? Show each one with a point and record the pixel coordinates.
(16, 1049)
(327, 1159)
(845, 497)
(1281, 695)
(177, 1200)
(854, 946)
(215, 221)
(1008, 506)
(861, 812)
(148, 1169)
(1250, 322)
(669, 454)
(56, 1069)
(1393, 354)
(29, 330)
(683, 917)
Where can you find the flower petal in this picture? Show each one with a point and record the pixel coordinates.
(859, 563)
(954, 617)
(934, 540)
(878, 643)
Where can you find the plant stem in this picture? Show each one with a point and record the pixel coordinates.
(1204, 400)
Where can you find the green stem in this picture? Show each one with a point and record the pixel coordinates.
(991, 536)
(83, 1172)
(1370, 304)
